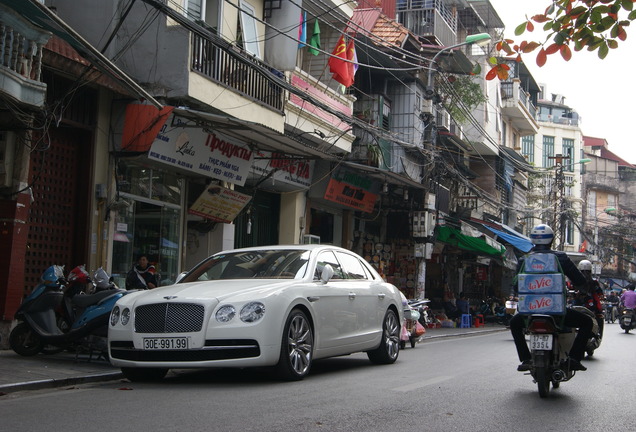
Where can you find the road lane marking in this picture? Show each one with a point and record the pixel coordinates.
(421, 384)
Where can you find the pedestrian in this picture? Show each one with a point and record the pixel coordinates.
(142, 275)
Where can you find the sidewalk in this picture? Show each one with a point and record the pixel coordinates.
(63, 369)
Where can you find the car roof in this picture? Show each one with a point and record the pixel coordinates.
(310, 247)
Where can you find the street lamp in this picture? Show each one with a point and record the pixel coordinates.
(480, 39)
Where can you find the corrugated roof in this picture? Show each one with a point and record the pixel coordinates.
(384, 30)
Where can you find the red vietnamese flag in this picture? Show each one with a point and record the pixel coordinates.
(342, 70)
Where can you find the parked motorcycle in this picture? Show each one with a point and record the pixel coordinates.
(627, 320)
(421, 305)
(549, 344)
(39, 314)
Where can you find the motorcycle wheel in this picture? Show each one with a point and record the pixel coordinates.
(543, 381)
(413, 339)
(24, 341)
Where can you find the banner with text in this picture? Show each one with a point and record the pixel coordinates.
(350, 196)
(219, 204)
(202, 151)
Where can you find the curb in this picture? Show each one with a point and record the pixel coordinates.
(59, 382)
(467, 333)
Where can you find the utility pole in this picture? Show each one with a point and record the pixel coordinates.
(559, 217)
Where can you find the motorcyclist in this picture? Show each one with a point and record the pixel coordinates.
(628, 298)
(542, 236)
(592, 296)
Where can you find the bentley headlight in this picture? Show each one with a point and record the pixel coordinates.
(252, 312)
(225, 313)
(125, 316)
(114, 316)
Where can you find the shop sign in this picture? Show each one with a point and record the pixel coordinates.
(202, 151)
(350, 196)
(219, 204)
(293, 172)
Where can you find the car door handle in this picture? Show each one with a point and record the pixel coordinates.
(352, 296)
(313, 298)
(381, 296)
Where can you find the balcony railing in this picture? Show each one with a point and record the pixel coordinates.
(438, 21)
(244, 75)
(20, 53)
(508, 91)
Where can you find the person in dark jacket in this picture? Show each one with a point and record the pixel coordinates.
(542, 237)
(142, 275)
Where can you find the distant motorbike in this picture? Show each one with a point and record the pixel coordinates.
(86, 316)
(611, 312)
(627, 319)
(549, 344)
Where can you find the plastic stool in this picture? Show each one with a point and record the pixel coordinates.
(479, 320)
(465, 321)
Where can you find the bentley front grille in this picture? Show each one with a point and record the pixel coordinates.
(169, 318)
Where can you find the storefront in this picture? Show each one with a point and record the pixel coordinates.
(147, 220)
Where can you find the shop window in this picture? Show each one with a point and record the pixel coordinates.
(322, 225)
(149, 183)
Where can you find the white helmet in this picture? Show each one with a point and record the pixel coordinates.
(542, 235)
(585, 265)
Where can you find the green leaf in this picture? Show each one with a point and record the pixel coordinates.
(603, 51)
(476, 69)
(493, 61)
(628, 5)
(632, 15)
(520, 29)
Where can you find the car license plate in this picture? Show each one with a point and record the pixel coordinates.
(166, 343)
(540, 342)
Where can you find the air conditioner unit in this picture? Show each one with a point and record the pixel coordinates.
(311, 239)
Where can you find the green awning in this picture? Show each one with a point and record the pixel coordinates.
(478, 245)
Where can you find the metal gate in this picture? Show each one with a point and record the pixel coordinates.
(59, 215)
(264, 211)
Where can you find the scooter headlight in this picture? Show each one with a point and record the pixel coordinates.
(114, 316)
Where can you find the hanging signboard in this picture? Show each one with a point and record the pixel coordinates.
(296, 173)
(350, 196)
(219, 204)
(202, 151)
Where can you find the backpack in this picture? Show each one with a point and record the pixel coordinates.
(541, 285)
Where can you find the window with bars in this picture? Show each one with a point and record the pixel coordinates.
(568, 153)
(527, 147)
(548, 151)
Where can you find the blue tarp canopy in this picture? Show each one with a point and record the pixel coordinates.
(519, 242)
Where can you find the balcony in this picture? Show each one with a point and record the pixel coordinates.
(299, 111)
(245, 74)
(21, 60)
(518, 107)
(439, 22)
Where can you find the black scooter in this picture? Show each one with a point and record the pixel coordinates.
(627, 319)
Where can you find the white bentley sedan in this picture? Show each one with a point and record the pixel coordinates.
(278, 306)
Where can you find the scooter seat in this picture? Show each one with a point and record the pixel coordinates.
(84, 301)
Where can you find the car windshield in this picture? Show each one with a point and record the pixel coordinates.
(256, 264)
